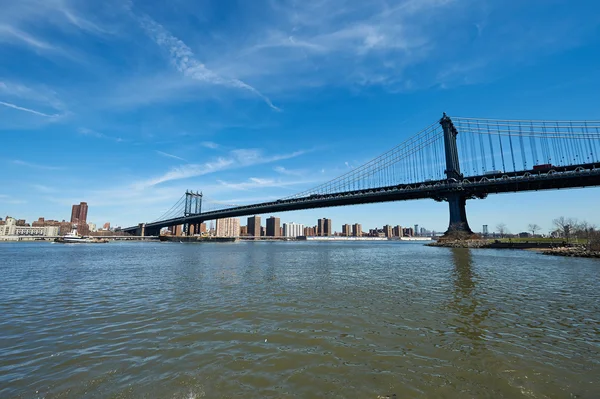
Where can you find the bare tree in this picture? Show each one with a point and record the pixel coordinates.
(588, 232)
(501, 229)
(533, 228)
(566, 226)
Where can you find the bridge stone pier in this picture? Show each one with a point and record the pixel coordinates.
(458, 213)
(141, 230)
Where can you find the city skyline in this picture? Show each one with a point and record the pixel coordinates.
(288, 97)
(229, 225)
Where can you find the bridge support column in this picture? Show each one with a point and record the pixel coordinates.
(458, 213)
(456, 201)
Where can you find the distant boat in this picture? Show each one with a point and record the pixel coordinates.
(74, 238)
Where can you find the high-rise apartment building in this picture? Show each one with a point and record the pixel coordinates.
(106, 226)
(387, 230)
(79, 213)
(324, 227)
(293, 230)
(228, 227)
(416, 230)
(356, 230)
(273, 227)
(346, 230)
(243, 231)
(254, 226)
(398, 231)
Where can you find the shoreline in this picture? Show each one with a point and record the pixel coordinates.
(544, 248)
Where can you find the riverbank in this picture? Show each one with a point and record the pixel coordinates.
(575, 252)
(496, 244)
(545, 248)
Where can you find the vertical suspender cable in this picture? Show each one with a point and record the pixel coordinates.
(473, 152)
(545, 147)
(590, 156)
(493, 155)
(522, 144)
(482, 150)
(580, 149)
(512, 154)
(501, 148)
(533, 145)
(562, 145)
(567, 143)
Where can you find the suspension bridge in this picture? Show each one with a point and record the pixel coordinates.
(452, 160)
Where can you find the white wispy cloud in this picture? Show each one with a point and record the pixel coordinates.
(31, 111)
(41, 95)
(43, 188)
(11, 34)
(288, 172)
(185, 61)
(210, 144)
(257, 182)
(35, 165)
(84, 131)
(164, 154)
(239, 158)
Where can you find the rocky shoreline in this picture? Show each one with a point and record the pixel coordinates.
(578, 252)
(460, 244)
(553, 249)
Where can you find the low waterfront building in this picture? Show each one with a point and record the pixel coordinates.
(293, 230)
(12, 228)
(310, 231)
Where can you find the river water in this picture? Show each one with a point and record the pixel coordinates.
(295, 320)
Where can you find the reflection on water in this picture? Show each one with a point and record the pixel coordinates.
(295, 320)
(467, 304)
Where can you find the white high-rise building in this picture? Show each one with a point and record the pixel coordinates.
(229, 227)
(293, 230)
(92, 227)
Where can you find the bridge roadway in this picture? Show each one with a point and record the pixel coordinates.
(574, 176)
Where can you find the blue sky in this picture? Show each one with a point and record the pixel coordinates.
(126, 104)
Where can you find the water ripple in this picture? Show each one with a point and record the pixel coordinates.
(295, 320)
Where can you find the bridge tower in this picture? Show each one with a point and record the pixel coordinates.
(193, 206)
(456, 200)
